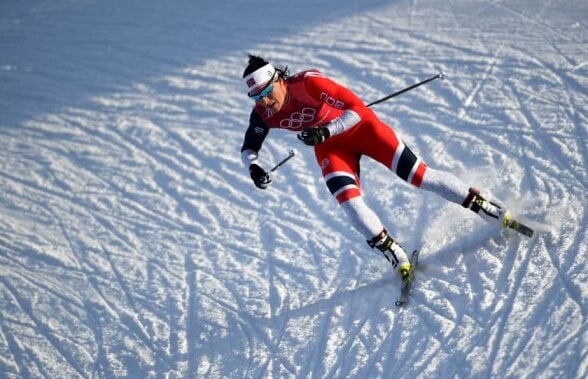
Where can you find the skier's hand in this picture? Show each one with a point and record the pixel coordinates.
(259, 176)
(314, 136)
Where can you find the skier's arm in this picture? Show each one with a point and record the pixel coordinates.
(346, 121)
(254, 137)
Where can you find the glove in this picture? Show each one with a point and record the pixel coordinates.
(314, 136)
(259, 176)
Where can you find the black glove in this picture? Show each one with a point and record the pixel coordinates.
(259, 176)
(314, 136)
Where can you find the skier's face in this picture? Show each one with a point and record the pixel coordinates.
(275, 99)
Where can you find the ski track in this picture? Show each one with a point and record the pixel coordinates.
(133, 244)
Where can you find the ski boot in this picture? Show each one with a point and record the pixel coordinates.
(394, 253)
(494, 213)
(489, 211)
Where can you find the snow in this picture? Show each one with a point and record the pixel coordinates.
(133, 243)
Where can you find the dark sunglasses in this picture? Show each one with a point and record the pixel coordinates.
(264, 92)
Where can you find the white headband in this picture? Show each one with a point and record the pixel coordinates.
(259, 78)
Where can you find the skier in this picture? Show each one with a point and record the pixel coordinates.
(341, 128)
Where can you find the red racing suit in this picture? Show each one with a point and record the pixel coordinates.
(314, 100)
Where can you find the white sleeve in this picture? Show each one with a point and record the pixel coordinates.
(249, 157)
(346, 121)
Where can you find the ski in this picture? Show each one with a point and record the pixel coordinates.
(519, 227)
(405, 288)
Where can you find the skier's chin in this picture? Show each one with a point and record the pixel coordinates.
(274, 107)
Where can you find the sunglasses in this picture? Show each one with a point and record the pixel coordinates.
(264, 93)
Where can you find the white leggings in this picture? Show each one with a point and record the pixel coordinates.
(444, 184)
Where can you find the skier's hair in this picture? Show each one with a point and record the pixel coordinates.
(256, 62)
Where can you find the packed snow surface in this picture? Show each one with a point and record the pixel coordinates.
(133, 243)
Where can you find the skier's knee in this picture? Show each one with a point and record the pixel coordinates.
(342, 185)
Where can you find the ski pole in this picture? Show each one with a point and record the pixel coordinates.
(291, 154)
(440, 75)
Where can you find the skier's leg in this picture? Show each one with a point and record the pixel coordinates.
(391, 151)
(340, 173)
(364, 220)
(444, 184)
(453, 189)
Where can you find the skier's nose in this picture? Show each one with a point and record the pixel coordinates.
(264, 101)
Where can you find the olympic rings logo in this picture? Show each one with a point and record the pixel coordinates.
(298, 119)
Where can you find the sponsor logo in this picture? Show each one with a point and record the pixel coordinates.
(250, 82)
(324, 163)
(298, 119)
